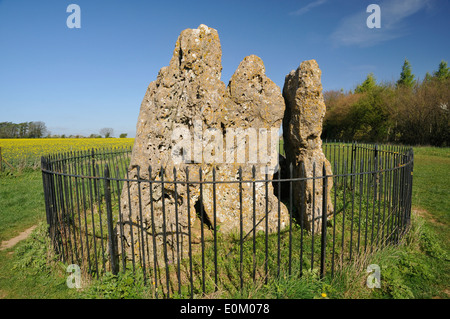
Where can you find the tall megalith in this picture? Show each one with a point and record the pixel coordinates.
(302, 127)
(189, 121)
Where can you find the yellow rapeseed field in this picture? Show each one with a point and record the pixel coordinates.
(27, 152)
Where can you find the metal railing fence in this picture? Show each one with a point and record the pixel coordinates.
(90, 226)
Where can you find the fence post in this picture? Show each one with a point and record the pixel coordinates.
(411, 161)
(352, 160)
(94, 173)
(112, 241)
(44, 184)
(324, 221)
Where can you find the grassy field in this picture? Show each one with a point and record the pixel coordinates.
(419, 268)
(25, 153)
(22, 275)
(431, 174)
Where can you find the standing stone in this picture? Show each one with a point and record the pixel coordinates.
(254, 104)
(186, 94)
(302, 127)
(185, 117)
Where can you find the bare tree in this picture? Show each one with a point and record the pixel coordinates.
(107, 132)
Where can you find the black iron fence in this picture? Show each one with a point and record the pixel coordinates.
(91, 225)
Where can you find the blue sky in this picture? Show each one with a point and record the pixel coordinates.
(78, 81)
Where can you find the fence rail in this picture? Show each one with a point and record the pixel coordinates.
(90, 224)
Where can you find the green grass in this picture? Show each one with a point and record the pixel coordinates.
(420, 267)
(432, 182)
(30, 271)
(417, 268)
(21, 202)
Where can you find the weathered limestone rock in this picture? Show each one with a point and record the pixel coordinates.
(184, 121)
(254, 104)
(186, 92)
(302, 127)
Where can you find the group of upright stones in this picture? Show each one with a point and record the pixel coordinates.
(189, 94)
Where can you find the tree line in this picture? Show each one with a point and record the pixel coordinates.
(39, 130)
(23, 130)
(408, 111)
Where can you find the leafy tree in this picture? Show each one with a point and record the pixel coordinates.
(427, 78)
(23, 130)
(443, 71)
(406, 76)
(369, 84)
(36, 129)
(390, 112)
(8, 130)
(123, 135)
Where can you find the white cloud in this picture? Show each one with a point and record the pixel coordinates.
(353, 29)
(308, 7)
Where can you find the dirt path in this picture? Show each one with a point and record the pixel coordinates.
(23, 235)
